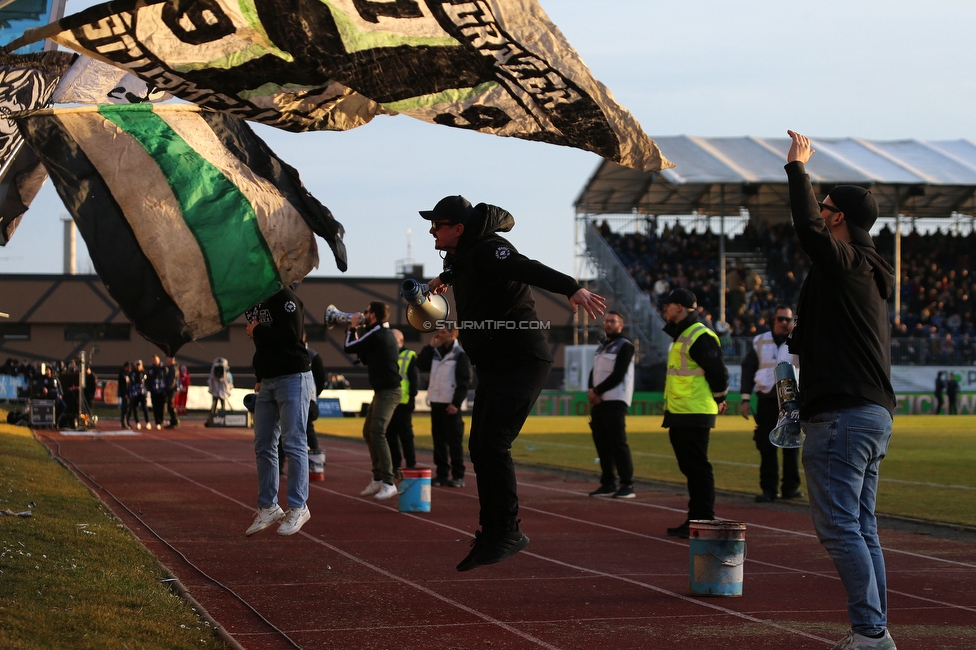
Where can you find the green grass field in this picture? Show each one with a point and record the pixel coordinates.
(71, 576)
(928, 473)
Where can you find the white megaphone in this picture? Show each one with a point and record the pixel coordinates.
(335, 317)
(787, 433)
(425, 308)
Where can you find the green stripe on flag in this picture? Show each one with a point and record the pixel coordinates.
(221, 218)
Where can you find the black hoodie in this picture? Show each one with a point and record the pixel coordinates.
(496, 315)
(842, 333)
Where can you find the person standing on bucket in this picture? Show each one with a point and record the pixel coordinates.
(611, 388)
(283, 387)
(842, 336)
(507, 347)
(758, 368)
(695, 388)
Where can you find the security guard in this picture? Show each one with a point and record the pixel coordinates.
(399, 433)
(694, 393)
(611, 388)
(758, 368)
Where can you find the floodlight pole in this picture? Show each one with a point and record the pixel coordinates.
(897, 261)
(721, 255)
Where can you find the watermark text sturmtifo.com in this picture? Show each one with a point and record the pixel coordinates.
(494, 324)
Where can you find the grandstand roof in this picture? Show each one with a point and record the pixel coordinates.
(919, 178)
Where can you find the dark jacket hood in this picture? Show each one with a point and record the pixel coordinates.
(487, 220)
(884, 273)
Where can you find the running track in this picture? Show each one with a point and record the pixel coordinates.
(599, 573)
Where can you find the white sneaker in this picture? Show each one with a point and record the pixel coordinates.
(294, 521)
(855, 641)
(372, 488)
(139, 426)
(386, 491)
(265, 517)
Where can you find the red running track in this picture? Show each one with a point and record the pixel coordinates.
(599, 573)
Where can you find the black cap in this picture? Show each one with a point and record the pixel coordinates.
(452, 209)
(682, 297)
(860, 210)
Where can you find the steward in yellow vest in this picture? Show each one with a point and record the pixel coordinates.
(695, 388)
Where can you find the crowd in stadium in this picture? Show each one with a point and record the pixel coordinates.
(937, 323)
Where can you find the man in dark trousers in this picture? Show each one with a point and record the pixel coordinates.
(758, 374)
(156, 383)
(507, 347)
(124, 381)
(450, 376)
(843, 338)
(695, 388)
(172, 376)
(319, 378)
(399, 433)
(611, 387)
(377, 349)
(284, 388)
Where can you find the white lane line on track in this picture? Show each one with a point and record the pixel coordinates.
(697, 602)
(828, 575)
(788, 531)
(372, 567)
(738, 464)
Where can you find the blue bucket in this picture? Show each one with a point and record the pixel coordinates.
(718, 553)
(414, 490)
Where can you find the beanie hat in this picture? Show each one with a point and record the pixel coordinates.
(860, 210)
(683, 297)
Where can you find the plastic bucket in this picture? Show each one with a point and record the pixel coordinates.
(316, 465)
(718, 553)
(414, 490)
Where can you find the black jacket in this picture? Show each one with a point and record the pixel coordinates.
(377, 349)
(496, 315)
(842, 333)
(278, 346)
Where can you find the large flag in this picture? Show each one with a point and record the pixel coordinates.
(89, 81)
(190, 219)
(26, 83)
(495, 66)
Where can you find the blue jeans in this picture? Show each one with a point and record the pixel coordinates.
(841, 455)
(281, 411)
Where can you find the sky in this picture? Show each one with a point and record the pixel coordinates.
(882, 70)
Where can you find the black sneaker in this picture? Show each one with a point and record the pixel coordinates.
(683, 531)
(765, 497)
(455, 483)
(795, 494)
(477, 546)
(625, 492)
(604, 491)
(438, 482)
(493, 548)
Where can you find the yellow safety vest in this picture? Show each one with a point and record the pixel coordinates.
(685, 389)
(403, 362)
